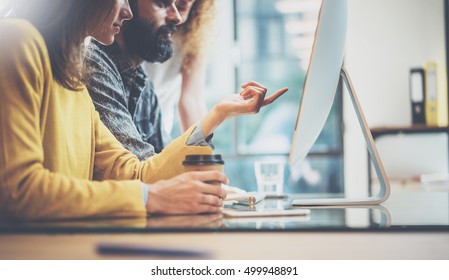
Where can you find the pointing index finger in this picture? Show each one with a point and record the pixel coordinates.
(270, 99)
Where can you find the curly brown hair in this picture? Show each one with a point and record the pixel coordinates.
(195, 32)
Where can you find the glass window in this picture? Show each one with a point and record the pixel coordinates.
(273, 43)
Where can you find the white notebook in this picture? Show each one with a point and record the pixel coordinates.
(227, 212)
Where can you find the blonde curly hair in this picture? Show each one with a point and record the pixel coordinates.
(196, 32)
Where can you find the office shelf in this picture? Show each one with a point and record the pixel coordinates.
(413, 129)
(378, 132)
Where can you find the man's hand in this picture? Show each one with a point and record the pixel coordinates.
(188, 194)
(249, 101)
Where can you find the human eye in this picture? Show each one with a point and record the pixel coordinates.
(162, 3)
(165, 3)
(181, 4)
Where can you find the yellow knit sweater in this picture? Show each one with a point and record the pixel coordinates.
(57, 159)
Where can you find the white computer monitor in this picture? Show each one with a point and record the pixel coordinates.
(323, 75)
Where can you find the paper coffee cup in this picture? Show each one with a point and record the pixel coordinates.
(203, 163)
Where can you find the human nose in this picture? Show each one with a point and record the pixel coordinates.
(173, 15)
(125, 11)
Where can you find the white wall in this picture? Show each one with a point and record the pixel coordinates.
(385, 39)
(221, 80)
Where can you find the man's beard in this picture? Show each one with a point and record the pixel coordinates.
(142, 38)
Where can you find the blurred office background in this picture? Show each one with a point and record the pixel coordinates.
(270, 41)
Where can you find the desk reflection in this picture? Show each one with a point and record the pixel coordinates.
(321, 217)
(214, 221)
(378, 215)
(333, 218)
(403, 211)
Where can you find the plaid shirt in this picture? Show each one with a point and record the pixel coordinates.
(125, 99)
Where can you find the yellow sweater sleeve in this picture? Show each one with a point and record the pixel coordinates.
(27, 189)
(112, 161)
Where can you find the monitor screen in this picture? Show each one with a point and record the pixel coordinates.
(322, 77)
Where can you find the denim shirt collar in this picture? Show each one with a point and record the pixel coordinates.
(134, 78)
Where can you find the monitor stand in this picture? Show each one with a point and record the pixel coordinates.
(384, 191)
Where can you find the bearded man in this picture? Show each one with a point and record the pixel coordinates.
(120, 89)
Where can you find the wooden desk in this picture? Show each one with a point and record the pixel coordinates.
(409, 226)
(232, 246)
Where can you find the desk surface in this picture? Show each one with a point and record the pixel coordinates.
(411, 225)
(408, 211)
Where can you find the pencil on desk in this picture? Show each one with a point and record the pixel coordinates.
(141, 250)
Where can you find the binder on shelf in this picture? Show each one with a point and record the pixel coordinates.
(417, 95)
(435, 96)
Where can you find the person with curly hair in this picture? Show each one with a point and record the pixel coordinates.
(179, 82)
(123, 92)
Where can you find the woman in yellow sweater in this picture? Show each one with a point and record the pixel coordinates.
(57, 160)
